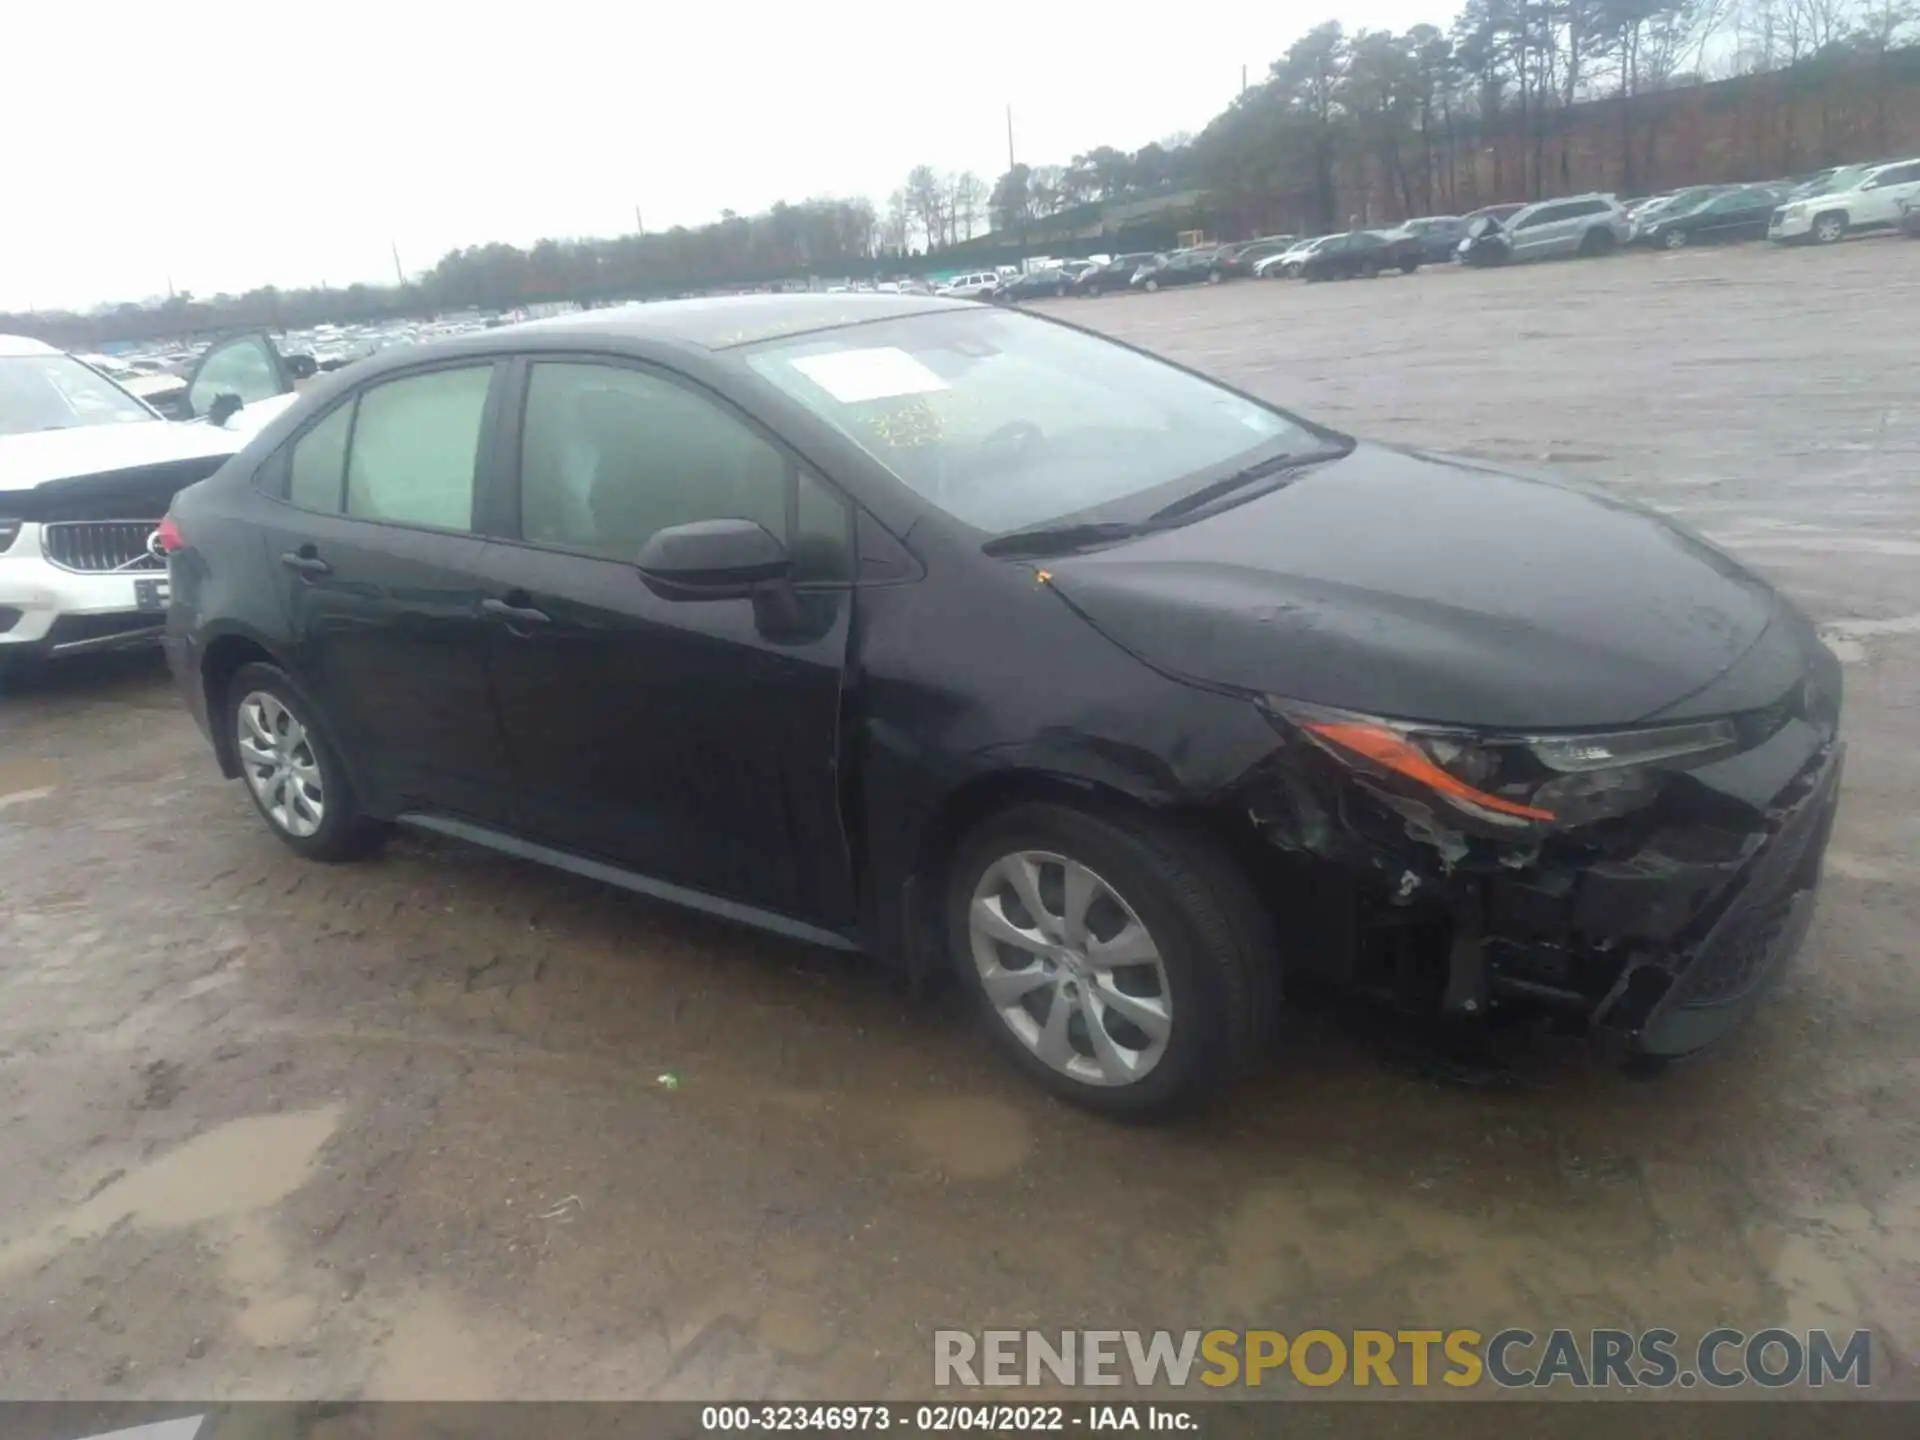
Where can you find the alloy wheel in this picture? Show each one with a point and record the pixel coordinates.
(1828, 229)
(278, 759)
(1675, 240)
(1070, 969)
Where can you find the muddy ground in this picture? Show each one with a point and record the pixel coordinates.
(400, 1129)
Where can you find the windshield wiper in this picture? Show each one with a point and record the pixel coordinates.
(1059, 539)
(1227, 484)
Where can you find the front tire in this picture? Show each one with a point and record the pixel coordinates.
(293, 775)
(1151, 286)
(1123, 962)
(1830, 228)
(1674, 240)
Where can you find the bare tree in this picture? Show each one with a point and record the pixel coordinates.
(967, 204)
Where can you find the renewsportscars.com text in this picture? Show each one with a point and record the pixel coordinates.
(1461, 1359)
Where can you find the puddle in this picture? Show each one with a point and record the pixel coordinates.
(433, 1354)
(273, 1323)
(244, 1165)
(22, 780)
(795, 1330)
(967, 1138)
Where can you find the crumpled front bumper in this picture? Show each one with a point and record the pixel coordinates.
(1655, 939)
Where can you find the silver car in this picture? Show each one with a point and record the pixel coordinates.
(1577, 225)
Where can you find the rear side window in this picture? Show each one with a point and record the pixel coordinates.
(1898, 174)
(415, 444)
(318, 467)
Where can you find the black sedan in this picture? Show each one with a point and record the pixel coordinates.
(1363, 254)
(1002, 651)
(1739, 214)
(1115, 274)
(1183, 267)
(1035, 285)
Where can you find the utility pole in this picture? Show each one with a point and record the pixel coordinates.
(399, 274)
(638, 228)
(1009, 137)
(1243, 79)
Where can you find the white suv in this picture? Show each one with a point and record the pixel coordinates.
(86, 472)
(1872, 202)
(970, 287)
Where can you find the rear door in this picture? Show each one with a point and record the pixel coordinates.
(381, 572)
(694, 740)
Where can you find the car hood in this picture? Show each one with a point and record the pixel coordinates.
(30, 461)
(1420, 587)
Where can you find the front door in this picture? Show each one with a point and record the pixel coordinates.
(381, 576)
(247, 369)
(695, 740)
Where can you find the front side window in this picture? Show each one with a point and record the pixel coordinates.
(416, 441)
(1005, 421)
(244, 368)
(56, 392)
(611, 454)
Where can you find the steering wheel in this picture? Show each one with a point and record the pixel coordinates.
(1013, 437)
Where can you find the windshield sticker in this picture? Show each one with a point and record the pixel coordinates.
(882, 373)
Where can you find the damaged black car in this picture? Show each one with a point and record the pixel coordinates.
(1006, 652)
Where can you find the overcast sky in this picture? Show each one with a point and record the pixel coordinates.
(225, 146)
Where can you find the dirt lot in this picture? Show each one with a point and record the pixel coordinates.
(400, 1129)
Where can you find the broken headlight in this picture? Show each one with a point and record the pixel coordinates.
(1508, 783)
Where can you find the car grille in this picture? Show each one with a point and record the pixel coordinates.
(98, 545)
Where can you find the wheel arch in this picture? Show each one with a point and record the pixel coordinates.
(224, 656)
(972, 801)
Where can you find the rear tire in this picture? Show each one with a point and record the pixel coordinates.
(293, 775)
(1208, 983)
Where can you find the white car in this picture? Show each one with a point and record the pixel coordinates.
(972, 286)
(1872, 202)
(1287, 263)
(86, 472)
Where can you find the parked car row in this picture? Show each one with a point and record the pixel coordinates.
(1822, 208)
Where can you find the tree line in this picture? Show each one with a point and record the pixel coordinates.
(1515, 99)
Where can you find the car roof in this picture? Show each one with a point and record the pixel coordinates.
(26, 345)
(1888, 165)
(722, 322)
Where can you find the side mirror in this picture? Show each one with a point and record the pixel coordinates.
(225, 406)
(713, 560)
(301, 367)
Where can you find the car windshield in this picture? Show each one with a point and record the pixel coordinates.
(1007, 422)
(57, 392)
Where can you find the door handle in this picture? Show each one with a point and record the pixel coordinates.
(514, 614)
(305, 561)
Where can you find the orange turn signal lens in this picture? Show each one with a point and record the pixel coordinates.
(1395, 752)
